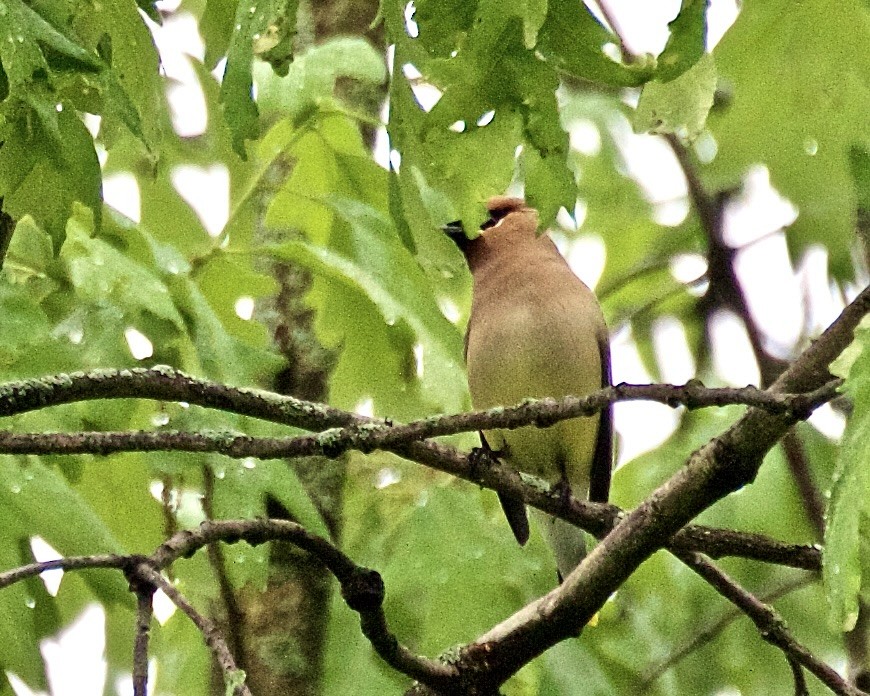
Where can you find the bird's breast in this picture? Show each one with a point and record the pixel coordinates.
(535, 343)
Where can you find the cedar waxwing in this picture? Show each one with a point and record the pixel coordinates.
(536, 330)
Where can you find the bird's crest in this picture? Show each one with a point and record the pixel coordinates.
(500, 207)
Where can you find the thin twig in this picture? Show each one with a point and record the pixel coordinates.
(103, 560)
(800, 682)
(708, 633)
(799, 466)
(233, 676)
(144, 612)
(615, 29)
(770, 624)
(362, 588)
(235, 617)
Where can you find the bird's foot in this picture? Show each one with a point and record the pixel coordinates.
(480, 457)
(484, 456)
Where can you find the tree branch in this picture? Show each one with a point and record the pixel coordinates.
(235, 617)
(105, 560)
(723, 465)
(164, 383)
(367, 435)
(144, 612)
(706, 634)
(233, 677)
(362, 588)
(770, 624)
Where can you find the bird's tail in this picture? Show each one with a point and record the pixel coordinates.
(567, 542)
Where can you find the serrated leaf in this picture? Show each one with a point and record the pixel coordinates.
(102, 273)
(378, 268)
(39, 180)
(255, 20)
(23, 31)
(679, 106)
(118, 30)
(549, 184)
(572, 39)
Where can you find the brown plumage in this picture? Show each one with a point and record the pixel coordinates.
(536, 330)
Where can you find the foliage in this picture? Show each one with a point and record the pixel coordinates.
(786, 88)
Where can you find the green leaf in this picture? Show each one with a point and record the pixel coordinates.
(859, 160)
(30, 248)
(261, 27)
(23, 33)
(848, 508)
(43, 177)
(549, 184)
(475, 165)
(572, 40)
(102, 273)
(69, 524)
(426, 538)
(798, 107)
(330, 159)
(181, 671)
(680, 105)
(310, 81)
(19, 637)
(222, 296)
(373, 265)
(132, 92)
(218, 354)
(687, 40)
(216, 27)
(135, 518)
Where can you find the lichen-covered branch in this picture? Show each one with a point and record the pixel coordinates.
(723, 465)
(362, 589)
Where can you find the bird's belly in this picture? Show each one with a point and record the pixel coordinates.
(528, 355)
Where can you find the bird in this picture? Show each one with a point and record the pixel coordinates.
(536, 330)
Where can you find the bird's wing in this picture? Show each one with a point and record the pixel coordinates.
(602, 459)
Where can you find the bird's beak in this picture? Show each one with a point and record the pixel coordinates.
(456, 232)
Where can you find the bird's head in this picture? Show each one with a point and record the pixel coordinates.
(500, 208)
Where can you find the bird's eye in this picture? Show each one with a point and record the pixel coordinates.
(495, 217)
